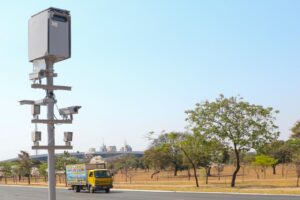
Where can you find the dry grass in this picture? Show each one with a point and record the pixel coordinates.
(284, 182)
(248, 183)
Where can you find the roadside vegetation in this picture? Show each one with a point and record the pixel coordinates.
(227, 139)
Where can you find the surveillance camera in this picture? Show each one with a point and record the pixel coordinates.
(37, 75)
(69, 111)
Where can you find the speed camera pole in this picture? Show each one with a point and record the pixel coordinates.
(51, 139)
(49, 42)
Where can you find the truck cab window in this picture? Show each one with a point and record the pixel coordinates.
(102, 174)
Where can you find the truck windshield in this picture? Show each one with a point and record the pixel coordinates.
(102, 174)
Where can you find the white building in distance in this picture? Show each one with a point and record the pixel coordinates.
(126, 148)
(111, 149)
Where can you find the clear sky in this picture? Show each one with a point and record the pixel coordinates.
(136, 66)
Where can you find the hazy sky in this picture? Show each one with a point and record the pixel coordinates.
(136, 66)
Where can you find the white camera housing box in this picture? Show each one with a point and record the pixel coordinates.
(36, 109)
(68, 136)
(49, 35)
(36, 136)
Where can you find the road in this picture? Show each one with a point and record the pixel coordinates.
(30, 193)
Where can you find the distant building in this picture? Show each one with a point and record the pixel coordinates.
(126, 148)
(92, 150)
(111, 149)
(81, 156)
(103, 148)
(97, 160)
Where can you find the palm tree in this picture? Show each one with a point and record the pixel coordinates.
(25, 164)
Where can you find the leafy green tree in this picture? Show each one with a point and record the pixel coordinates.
(62, 161)
(125, 164)
(219, 157)
(175, 154)
(25, 164)
(66, 159)
(43, 169)
(285, 156)
(167, 142)
(6, 170)
(264, 162)
(296, 130)
(139, 163)
(247, 158)
(294, 146)
(237, 123)
(276, 150)
(157, 158)
(189, 147)
(16, 172)
(198, 152)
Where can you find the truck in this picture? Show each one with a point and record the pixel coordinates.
(89, 177)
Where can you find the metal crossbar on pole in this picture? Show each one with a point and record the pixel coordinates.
(53, 147)
(52, 121)
(51, 87)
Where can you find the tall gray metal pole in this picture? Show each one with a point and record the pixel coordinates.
(51, 139)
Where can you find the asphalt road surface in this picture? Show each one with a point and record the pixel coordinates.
(29, 193)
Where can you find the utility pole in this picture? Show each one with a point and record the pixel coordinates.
(49, 42)
(51, 131)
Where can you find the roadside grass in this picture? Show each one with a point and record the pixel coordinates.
(238, 189)
(284, 182)
(260, 187)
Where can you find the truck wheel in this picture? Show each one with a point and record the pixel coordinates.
(107, 190)
(77, 189)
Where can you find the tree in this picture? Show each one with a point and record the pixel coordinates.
(275, 150)
(174, 151)
(139, 163)
(125, 163)
(16, 172)
(294, 145)
(247, 159)
(237, 123)
(62, 161)
(157, 158)
(264, 162)
(296, 130)
(43, 169)
(25, 164)
(168, 141)
(219, 157)
(198, 151)
(6, 170)
(285, 156)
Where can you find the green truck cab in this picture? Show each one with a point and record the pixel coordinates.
(90, 177)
